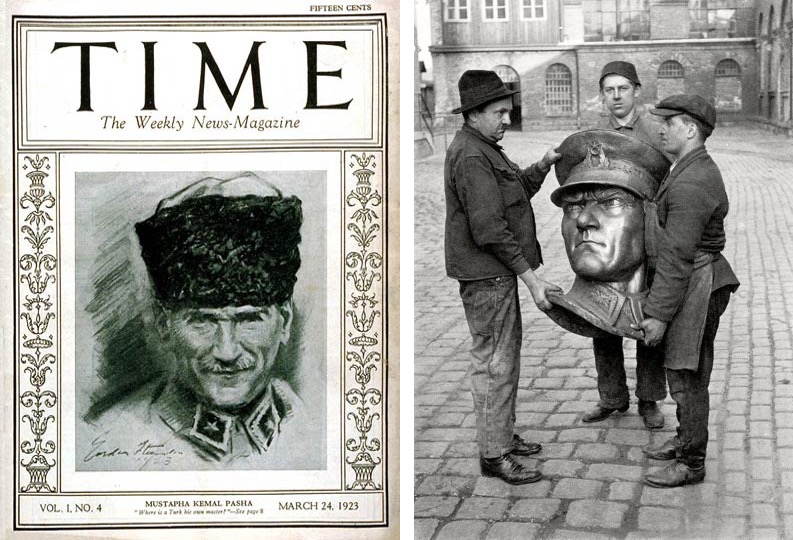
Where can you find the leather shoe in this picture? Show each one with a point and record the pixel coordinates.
(523, 448)
(653, 417)
(509, 470)
(674, 475)
(599, 413)
(667, 450)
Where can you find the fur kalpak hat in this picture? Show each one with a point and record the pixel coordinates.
(223, 243)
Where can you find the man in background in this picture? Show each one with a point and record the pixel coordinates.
(619, 89)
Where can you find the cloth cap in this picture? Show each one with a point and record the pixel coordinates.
(221, 243)
(618, 67)
(693, 105)
(607, 157)
(478, 86)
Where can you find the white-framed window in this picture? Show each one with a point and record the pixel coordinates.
(456, 10)
(532, 10)
(495, 10)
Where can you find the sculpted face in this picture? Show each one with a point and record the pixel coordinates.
(225, 355)
(603, 231)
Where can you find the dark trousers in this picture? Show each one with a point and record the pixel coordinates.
(493, 315)
(689, 389)
(612, 381)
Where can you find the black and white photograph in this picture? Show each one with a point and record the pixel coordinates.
(602, 269)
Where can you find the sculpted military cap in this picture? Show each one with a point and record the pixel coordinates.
(223, 243)
(693, 105)
(478, 86)
(626, 69)
(607, 157)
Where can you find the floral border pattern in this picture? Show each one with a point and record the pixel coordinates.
(363, 322)
(37, 293)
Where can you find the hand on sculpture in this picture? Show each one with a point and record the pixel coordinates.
(550, 157)
(653, 330)
(539, 289)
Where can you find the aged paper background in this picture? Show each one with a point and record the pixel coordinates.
(391, 351)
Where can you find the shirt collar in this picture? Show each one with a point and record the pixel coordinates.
(630, 125)
(475, 133)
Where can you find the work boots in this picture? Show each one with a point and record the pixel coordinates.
(677, 474)
(652, 415)
(509, 470)
(667, 450)
(598, 413)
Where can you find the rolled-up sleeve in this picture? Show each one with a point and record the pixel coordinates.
(483, 203)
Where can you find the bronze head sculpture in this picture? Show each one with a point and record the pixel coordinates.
(605, 179)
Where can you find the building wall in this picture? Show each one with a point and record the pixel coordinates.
(531, 67)
(698, 58)
(775, 54)
(478, 31)
(585, 62)
(669, 20)
(481, 46)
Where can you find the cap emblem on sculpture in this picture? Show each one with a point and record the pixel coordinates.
(596, 157)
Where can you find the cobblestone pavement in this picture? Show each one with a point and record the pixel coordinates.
(592, 487)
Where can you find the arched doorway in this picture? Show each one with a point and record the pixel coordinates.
(512, 81)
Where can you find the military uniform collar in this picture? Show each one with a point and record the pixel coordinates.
(212, 430)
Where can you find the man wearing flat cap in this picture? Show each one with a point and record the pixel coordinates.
(619, 89)
(692, 284)
(222, 257)
(490, 242)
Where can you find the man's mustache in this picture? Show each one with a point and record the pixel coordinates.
(209, 364)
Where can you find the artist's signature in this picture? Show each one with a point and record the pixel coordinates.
(146, 450)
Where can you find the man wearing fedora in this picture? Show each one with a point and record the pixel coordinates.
(490, 242)
(692, 283)
(619, 88)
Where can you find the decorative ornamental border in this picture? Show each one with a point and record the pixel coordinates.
(37, 294)
(363, 322)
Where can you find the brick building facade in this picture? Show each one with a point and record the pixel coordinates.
(774, 46)
(553, 51)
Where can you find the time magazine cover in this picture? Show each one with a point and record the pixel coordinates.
(199, 211)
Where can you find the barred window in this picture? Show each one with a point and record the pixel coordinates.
(616, 20)
(671, 79)
(456, 10)
(558, 90)
(507, 74)
(728, 90)
(495, 10)
(728, 68)
(533, 9)
(670, 69)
